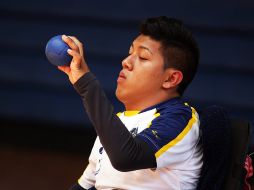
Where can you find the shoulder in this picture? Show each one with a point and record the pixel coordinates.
(175, 119)
(176, 111)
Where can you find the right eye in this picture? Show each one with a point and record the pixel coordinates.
(143, 58)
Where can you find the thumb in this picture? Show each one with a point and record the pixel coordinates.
(65, 69)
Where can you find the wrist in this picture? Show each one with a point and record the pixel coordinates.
(83, 82)
(79, 76)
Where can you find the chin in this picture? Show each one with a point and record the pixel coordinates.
(120, 95)
(117, 93)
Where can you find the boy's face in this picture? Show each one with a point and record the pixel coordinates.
(142, 74)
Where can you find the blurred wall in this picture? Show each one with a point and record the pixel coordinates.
(31, 88)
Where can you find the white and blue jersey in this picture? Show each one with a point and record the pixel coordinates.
(171, 130)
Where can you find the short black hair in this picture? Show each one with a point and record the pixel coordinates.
(179, 48)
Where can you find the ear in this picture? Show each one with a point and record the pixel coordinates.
(172, 78)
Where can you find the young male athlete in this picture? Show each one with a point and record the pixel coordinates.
(154, 143)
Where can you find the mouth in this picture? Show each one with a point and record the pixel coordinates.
(121, 77)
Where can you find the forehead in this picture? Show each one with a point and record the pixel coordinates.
(147, 42)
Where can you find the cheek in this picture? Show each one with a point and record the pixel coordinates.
(155, 80)
(152, 75)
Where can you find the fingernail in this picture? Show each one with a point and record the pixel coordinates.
(69, 50)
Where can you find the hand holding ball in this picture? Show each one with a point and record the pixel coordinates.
(56, 51)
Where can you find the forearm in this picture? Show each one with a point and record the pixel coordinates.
(125, 152)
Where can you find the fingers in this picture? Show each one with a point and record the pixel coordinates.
(78, 43)
(75, 45)
(78, 66)
(70, 43)
(76, 59)
(76, 50)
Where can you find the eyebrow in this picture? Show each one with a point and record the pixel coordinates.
(143, 47)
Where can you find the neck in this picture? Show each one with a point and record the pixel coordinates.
(141, 103)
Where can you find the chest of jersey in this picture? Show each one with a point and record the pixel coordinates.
(138, 122)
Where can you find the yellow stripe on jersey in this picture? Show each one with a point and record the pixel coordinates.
(131, 113)
(155, 115)
(180, 136)
(118, 114)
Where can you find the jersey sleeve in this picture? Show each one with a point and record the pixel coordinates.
(173, 135)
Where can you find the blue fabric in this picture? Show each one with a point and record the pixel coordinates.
(174, 116)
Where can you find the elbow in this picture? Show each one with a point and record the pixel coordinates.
(122, 165)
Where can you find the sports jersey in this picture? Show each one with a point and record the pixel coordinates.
(170, 129)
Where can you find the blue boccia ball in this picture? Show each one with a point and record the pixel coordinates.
(56, 51)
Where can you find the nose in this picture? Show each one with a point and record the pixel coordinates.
(127, 63)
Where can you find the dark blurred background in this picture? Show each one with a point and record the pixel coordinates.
(45, 136)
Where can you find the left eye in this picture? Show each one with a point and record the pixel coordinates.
(143, 58)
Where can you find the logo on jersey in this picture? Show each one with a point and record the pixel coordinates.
(98, 165)
(134, 132)
(155, 134)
